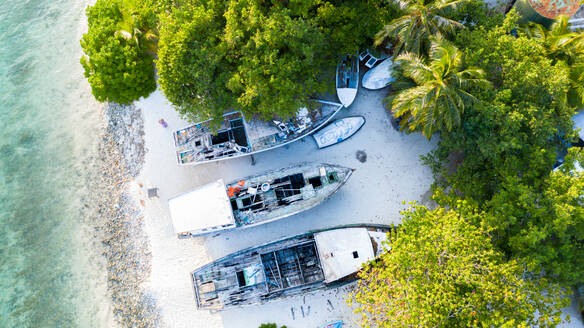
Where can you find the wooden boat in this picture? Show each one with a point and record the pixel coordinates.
(333, 324)
(255, 200)
(347, 79)
(238, 137)
(371, 59)
(338, 131)
(380, 76)
(287, 267)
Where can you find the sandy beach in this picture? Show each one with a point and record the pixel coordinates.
(375, 193)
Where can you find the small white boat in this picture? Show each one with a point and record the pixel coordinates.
(338, 131)
(380, 76)
(348, 79)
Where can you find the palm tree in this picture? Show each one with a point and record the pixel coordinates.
(132, 28)
(560, 41)
(438, 96)
(422, 20)
(562, 44)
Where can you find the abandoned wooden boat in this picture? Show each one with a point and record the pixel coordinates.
(380, 76)
(237, 137)
(255, 200)
(296, 265)
(338, 131)
(347, 79)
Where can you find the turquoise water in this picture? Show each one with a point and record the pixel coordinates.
(50, 275)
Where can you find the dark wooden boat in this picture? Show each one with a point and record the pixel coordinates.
(292, 266)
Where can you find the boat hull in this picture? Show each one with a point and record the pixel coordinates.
(255, 200)
(243, 278)
(380, 76)
(254, 136)
(347, 79)
(338, 131)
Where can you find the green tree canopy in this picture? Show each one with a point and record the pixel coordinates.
(438, 97)
(509, 143)
(443, 271)
(264, 58)
(118, 46)
(519, 125)
(543, 223)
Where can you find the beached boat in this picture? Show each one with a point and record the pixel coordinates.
(238, 137)
(347, 79)
(296, 265)
(380, 76)
(256, 199)
(338, 131)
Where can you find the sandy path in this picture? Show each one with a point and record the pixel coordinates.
(392, 174)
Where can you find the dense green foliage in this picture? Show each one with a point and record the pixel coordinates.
(443, 271)
(510, 216)
(436, 97)
(509, 142)
(119, 48)
(265, 58)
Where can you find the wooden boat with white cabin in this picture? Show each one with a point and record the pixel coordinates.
(255, 200)
(199, 143)
(296, 265)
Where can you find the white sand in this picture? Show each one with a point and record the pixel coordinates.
(374, 194)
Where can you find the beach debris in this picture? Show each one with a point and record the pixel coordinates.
(361, 156)
(328, 302)
(152, 192)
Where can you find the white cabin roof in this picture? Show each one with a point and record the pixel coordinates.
(336, 249)
(203, 208)
(579, 123)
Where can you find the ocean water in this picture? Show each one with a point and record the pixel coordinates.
(51, 275)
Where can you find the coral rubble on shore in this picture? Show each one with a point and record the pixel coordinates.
(118, 219)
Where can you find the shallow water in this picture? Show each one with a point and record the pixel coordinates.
(51, 275)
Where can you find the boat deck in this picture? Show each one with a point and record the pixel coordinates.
(235, 136)
(287, 267)
(291, 190)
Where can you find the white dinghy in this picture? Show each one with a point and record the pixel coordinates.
(380, 76)
(347, 79)
(338, 131)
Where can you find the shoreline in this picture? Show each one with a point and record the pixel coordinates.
(118, 222)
